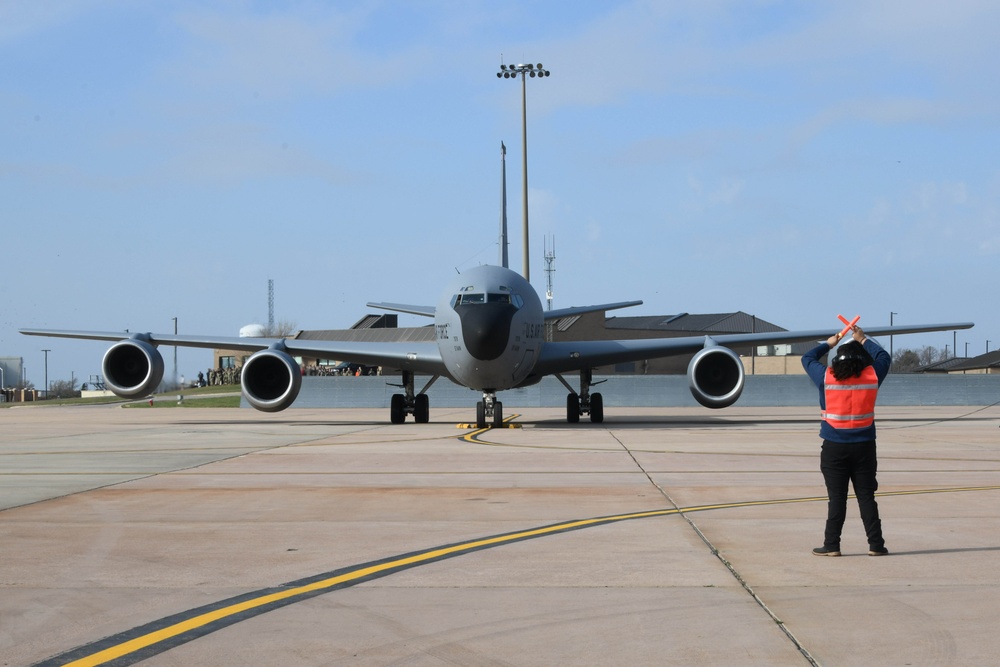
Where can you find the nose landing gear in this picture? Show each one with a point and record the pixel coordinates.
(489, 411)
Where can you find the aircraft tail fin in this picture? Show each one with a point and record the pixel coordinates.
(503, 207)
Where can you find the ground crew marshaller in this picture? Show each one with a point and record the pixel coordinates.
(847, 393)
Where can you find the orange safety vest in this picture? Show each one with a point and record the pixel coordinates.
(851, 403)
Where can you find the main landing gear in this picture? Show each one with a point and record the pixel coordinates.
(410, 403)
(584, 403)
(489, 411)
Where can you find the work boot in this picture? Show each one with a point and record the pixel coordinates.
(823, 551)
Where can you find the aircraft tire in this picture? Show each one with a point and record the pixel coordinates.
(497, 414)
(397, 409)
(480, 414)
(573, 408)
(421, 409)
(596, 408)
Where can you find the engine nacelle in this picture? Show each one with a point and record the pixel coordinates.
(132, 368)
(715, 376)
(271, 380)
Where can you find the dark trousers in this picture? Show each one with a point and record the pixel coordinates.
(853, 462)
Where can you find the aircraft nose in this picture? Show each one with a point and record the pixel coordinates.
(486, 328)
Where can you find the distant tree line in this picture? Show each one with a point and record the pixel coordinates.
(280, 329)
(908, 361)
(64, 389)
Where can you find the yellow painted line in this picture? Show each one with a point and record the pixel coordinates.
(474, 436)
(196, 622)
(383, 568)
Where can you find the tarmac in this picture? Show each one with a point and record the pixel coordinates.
(667, 536)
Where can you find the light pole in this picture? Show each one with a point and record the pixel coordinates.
(511, 72)
(891, 315)
(47, 370)
(175, 351)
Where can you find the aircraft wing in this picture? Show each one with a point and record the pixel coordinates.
(561, 357)
(425, 311)
(422, 357)
(582, 310)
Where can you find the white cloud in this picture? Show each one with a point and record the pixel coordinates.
(283, 53)
(25, 19)
(231, 155)
(724, 193)
(990, 246)
(593, 232)
(933, 197)
(875, 110)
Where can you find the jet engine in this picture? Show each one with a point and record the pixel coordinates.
(715, 376)
(271, 380)
(132, 368)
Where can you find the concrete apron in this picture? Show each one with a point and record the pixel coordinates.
(139, 521)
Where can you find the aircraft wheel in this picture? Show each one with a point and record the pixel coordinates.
(421, 408)
(573, 408)
(480, 414)
(397, 409)
(596, 408)
(497, 414)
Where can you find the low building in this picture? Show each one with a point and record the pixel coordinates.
(764, 359)
(984, 364)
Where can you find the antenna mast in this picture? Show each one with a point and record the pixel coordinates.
(550, 258)
(270, 306)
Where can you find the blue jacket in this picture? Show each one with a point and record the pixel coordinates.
(816, 370)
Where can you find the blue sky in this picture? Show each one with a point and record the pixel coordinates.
(793, 160)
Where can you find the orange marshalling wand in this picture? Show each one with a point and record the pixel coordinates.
(850, 325)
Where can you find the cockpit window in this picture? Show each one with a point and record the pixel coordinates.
(465, 298)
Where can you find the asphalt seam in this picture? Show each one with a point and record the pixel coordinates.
(744, 584)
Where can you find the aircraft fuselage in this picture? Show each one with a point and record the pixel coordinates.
(489, 328)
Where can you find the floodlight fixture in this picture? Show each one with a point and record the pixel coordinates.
(511, 72)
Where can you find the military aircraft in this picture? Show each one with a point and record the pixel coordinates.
(489, 336)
